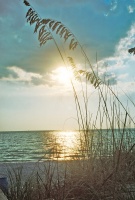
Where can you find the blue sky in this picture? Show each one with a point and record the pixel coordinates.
(33, 94)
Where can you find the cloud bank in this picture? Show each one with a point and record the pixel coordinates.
(121, 64)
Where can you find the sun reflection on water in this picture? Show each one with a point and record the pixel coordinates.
(65, 146)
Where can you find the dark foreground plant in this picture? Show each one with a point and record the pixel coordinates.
(95, 178)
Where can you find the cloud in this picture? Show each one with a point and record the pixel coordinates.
(126, 87)
(113, 5)
(54, 78)
(121, 62)
(105, 6)
(16, 74)
(109, 78)
(123, 76)
(130, 9)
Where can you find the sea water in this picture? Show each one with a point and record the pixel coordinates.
(24, 146)
(37, 145)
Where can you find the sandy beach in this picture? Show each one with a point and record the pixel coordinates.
(30, 169)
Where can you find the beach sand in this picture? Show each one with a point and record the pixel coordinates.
(30, 169)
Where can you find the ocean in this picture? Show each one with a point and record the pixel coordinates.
(37, 145)
(33, 146)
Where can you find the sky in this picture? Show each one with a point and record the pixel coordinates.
(35, 90)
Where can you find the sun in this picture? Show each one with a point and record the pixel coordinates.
(63, 75)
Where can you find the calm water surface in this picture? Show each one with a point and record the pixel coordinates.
(43, 145)
(37, 145)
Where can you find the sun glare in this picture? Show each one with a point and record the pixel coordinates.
(63, 75)
(67, 145)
